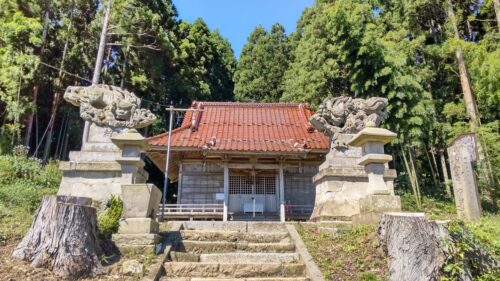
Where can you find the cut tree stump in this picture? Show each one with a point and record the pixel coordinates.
(63, 237)
(413, 245)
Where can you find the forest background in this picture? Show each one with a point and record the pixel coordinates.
(412, 52)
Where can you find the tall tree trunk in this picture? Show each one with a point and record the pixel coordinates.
(414, 171)
(62, 129)
(55, 101)
(31, 116)
(98, 61)
(434, 172)
(496, 5)
(446, 177)
(124, 69)
(412, 178)
(36, 87)
(469, 99)
(50, 133)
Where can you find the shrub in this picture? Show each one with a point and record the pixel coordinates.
(487, 232)
(50, 176)
(434, 208)
(23, 182)
(466, 249)
(108, 221)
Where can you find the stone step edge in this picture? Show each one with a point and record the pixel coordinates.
(191, 246)
(296, 270)
(282, 257)
(236, 279)
(246, 258)
(233, 236)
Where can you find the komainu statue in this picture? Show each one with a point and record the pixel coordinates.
(346, 115)
(109, 106)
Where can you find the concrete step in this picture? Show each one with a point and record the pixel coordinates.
(199, 247)
(236, 279)
(250, 258)
(235, 257)
(233, 236)
(233, 270)
(241, 226)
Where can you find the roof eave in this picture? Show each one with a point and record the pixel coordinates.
(157, 148)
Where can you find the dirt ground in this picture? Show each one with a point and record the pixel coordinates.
(15, 270)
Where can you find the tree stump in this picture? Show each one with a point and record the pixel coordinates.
(413, 245)
(63, 237)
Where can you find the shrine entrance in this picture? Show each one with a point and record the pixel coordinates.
(253, 192)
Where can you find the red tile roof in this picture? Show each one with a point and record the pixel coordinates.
(256, 127)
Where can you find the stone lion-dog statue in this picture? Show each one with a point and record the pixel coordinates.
(109, 106)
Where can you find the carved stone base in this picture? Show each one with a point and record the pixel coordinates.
(339, 190)
(102, 167)
(373, 206)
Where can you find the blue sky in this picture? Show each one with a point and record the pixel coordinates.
(235, 19)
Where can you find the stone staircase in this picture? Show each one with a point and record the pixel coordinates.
(207, 251)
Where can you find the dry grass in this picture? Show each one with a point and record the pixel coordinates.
(346, 253)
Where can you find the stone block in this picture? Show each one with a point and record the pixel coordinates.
(373, 206)
(374, 158)
(372, 134)
(215, 226)
(371, 218)
(138, 226)
(335, 208)
(136, 239)
(184, 257)
(111, 166)
(131, 142)
(266, 227)
(379, 203)
(140, 200)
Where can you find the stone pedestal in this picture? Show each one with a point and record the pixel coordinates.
(100, 169)
(342, 181)
(138, 226)
(355, 180)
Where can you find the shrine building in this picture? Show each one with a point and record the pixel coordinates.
(251, 159)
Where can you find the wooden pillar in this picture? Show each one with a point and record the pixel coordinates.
(179, 185)
(226, 190)
(282, 193)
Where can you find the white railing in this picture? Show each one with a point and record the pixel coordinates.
(192, 209)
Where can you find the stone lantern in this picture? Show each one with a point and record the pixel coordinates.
(380, 196)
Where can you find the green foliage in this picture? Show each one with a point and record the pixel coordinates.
(472, 246)
(206, 63)
(487, 232)
(262, 64)
(368, 276)
(435, 209)
(20, 35)
(108, 221)
(23, 182)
